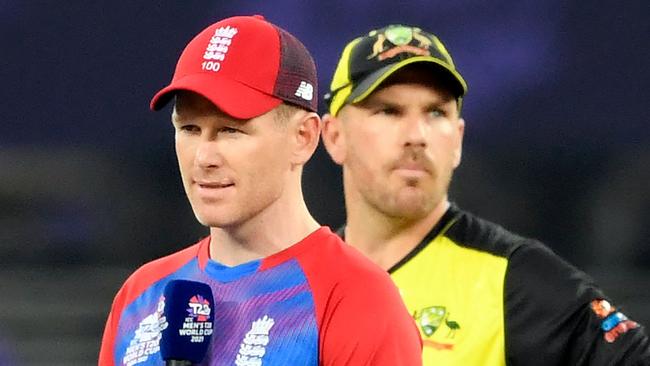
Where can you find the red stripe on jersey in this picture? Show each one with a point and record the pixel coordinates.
(147, 275)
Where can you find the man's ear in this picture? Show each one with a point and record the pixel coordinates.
(306, 135)
(333, 138)
(458, 153)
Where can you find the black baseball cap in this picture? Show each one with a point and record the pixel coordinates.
(368, 60)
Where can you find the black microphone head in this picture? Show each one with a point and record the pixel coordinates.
(189, 307)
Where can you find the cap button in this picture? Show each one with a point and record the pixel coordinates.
(258, 16)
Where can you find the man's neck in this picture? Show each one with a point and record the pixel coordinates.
(387, 240)
(277, 227)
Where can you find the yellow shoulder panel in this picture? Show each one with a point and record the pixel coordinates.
(456, 297)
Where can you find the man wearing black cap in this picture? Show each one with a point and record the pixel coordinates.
(244, 116)
(479, 294)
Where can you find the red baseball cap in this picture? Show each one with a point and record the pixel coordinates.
(246, 66)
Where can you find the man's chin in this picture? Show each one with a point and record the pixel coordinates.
(217, 221)
(412, 212)
(411, 207)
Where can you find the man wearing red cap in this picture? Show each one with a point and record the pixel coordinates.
(479, 294)
(287, 291)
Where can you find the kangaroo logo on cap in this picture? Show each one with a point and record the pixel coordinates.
(218, 48)
(399, 38)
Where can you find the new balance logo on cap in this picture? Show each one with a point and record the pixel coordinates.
(305, 91)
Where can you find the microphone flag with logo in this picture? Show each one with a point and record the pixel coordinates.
(189, 307)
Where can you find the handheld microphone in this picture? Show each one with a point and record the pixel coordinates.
(188, 310)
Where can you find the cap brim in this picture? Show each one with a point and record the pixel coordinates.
(372, 81)
(232, 97)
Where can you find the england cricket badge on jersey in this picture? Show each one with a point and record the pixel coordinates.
(253, 347)
(430, 320)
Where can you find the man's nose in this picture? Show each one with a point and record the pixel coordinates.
(415, 131)
(208, 154)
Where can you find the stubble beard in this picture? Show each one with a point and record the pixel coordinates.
(410, 201)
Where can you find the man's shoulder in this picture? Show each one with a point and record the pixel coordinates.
(334, 250)
(153, 271)
(361, 316)
(169, 263)
(521, 252)
(334, 262)
(529, 261)
(474, 232)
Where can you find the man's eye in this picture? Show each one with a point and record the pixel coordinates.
(437, 113)
(190, 128)
(388, 111)
(228, 130)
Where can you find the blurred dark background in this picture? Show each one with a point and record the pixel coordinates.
(557, 142)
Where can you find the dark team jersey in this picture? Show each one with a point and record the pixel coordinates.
(484, 296)
(318, 302)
